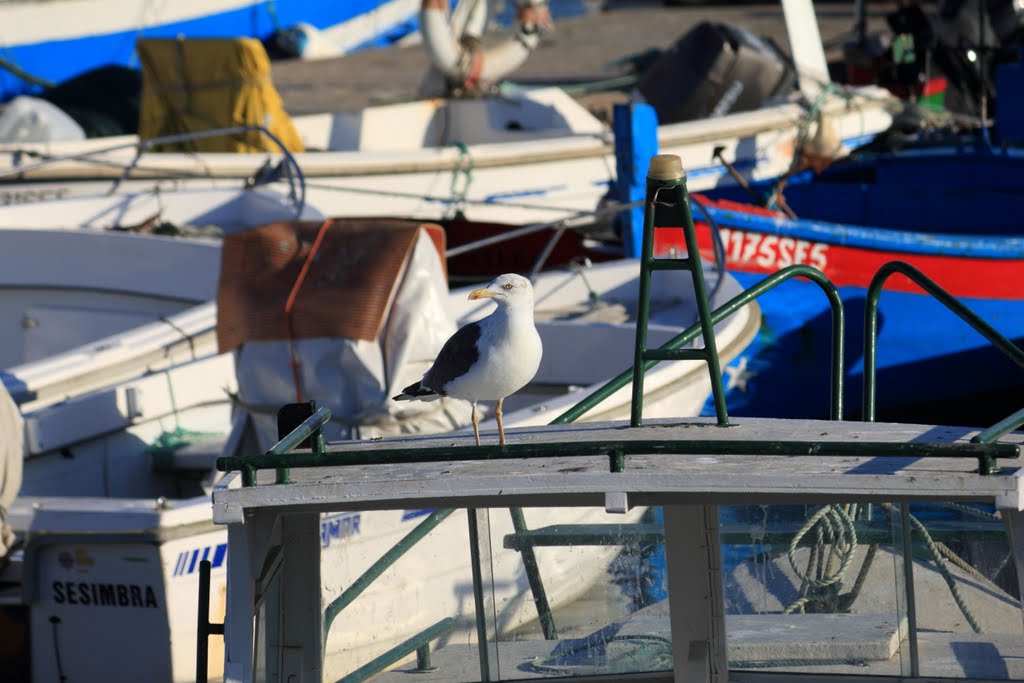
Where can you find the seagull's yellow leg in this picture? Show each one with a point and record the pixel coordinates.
(501, 427)
(476, 425)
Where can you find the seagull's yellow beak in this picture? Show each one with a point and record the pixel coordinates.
(480, 294)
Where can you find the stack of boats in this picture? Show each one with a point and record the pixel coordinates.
(122, 388)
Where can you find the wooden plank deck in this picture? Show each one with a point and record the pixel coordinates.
(650, 478)
(579, 47)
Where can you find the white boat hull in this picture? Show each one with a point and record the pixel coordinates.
(543, 172)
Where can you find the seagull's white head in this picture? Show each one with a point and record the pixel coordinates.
(507, 289)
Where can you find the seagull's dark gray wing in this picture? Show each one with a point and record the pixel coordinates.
(456, 357)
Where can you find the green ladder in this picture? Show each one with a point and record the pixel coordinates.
(667, 204)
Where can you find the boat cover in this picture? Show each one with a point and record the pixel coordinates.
(203, 84)
(368, 319)
(10, 463)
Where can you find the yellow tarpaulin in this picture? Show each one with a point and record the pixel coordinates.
(207, 83)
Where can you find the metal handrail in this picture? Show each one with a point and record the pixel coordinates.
(312, 426)
(1011, 350)
(615, 449)
(723, 312)
(1001, 428)
(419, 642)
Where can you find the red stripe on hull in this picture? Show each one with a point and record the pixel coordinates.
(756, 252)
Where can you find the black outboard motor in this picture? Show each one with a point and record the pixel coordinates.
(715, 69)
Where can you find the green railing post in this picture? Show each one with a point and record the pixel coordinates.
(312, 426)
(540, 597)
(667, 203)
(423, 664)
(289, 416)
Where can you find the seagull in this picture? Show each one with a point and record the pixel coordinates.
(489, 359)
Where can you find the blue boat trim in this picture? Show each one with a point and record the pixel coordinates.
(188, 560)
(58, 60)
(971, 246)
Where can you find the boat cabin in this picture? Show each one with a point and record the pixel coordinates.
(784, 546)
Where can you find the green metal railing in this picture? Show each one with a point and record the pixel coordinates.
(667, 204)
(310, 428)
(721, 313)
(1007, 347)
(419, 642)
(986, 466)
(614, 449)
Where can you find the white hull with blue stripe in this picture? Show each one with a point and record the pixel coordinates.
(56, 40)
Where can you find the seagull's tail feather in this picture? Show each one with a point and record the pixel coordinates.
(415, 392)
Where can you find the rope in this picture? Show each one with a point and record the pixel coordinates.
(846, 601)
(18, 72)
(832, 526)
(290, 303)
(717, 245)
(959, 562)
(271, 6)
(972, 511)
(941, 566)
(436, 199)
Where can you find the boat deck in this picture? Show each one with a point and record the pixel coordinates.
(667, 462)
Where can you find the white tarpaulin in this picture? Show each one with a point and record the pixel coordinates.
(357, 378)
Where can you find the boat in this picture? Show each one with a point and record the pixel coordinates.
(46, 43)
(949, 209)
(122, 419)
(520, 155)
(785, 613)
(735, 621)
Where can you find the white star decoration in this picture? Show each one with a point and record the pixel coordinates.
(738, 375)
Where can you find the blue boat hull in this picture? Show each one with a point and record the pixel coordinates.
(931, 366)
(946, 212)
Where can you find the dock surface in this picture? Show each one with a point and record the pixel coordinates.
(579, 48)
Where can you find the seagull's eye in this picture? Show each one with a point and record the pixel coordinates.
(508, 286)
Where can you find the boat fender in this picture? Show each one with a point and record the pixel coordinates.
(824, 146)
(461, 59)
